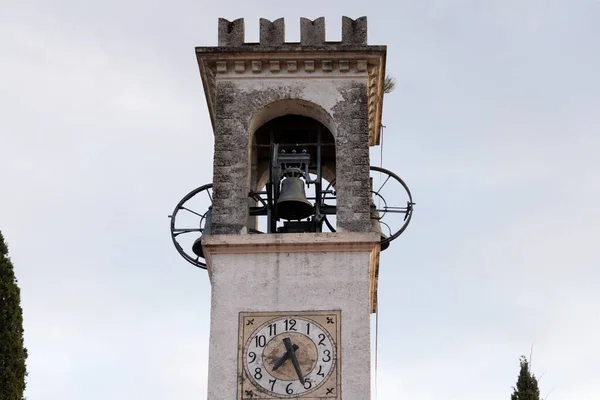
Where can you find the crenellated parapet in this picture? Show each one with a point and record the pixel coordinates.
(354, 31)
(312, 32)
(273, 59)
(231, 33)
(271, 33)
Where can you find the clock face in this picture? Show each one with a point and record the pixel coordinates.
(289, 355)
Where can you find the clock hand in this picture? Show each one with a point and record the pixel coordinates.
(284, 358)
(290, 350)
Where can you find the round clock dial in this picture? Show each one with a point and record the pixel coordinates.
(289, 356)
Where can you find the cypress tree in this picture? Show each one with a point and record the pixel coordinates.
(527, 384)
(12, 350)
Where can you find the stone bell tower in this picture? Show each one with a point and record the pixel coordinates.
(290, 240)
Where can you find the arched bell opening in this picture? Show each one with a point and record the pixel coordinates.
(293, 160)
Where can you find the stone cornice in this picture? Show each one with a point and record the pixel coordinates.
(330, 61)
(290, 68)
(300, 242)
(290, 242)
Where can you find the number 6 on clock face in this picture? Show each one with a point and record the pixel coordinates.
(289, 355)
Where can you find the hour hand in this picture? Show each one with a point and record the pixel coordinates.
(284, 358)
(290, 350)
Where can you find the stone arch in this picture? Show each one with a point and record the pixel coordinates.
(272, 115)
(279, 108)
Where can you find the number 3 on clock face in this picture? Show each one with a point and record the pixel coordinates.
(289, 355)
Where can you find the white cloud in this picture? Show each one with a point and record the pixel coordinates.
(493, 126)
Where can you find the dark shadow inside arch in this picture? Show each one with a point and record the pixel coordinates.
(293, 135)
(294, 131)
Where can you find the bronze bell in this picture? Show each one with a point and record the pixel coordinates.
(197, 246)
(292, 203)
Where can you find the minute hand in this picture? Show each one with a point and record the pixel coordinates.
(288, 345)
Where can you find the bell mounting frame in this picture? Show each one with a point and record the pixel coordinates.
(195, 222)
(395, 218)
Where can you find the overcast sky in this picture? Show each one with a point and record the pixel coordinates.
(494, 125)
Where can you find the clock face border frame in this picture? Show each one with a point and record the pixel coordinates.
(260, 319)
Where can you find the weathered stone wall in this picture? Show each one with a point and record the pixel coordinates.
(230, 164)
(237, 101)
(352, 159)
(277, 279)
